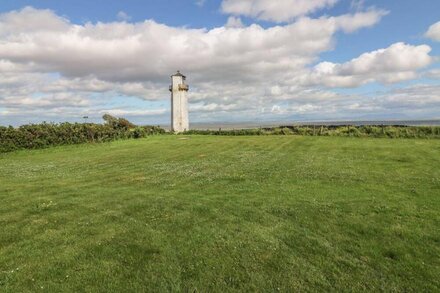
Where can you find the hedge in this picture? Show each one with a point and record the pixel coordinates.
(325, 130)
(36, 136)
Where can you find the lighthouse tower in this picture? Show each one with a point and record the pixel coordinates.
(179, 103)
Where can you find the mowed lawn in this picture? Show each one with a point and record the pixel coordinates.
(222, 214)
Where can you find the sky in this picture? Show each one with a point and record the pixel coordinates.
(245, 60)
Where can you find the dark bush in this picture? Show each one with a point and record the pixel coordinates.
(35, 136)
(324, 130)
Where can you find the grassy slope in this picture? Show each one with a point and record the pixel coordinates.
(222, 214)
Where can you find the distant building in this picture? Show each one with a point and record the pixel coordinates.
(179, 103)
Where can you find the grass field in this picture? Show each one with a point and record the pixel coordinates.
(221, 214)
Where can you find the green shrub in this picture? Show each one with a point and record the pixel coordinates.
(286, 131)
(36, 136)
(322, 130)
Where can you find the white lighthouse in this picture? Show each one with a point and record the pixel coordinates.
(179, 103)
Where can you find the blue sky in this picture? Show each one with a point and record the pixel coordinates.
(323, 60)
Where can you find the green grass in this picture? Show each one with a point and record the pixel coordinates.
(222, 214)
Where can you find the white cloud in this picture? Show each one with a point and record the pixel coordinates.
(419, 101)
(433, 73)
(399, 62)
(278, 11)
(357, 4)
(55, 100)
(133, 112)
(434, 32)
(50, 67)
(123, 16)
(419, 96)
(234, 22)
(150, 51)
(30, 20)
(352, 22)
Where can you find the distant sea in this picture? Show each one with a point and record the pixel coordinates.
(247, 125)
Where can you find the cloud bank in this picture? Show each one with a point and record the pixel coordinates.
(123, 52)
(278, 11)
(50, 67)
(434, 32)
(399, 62)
